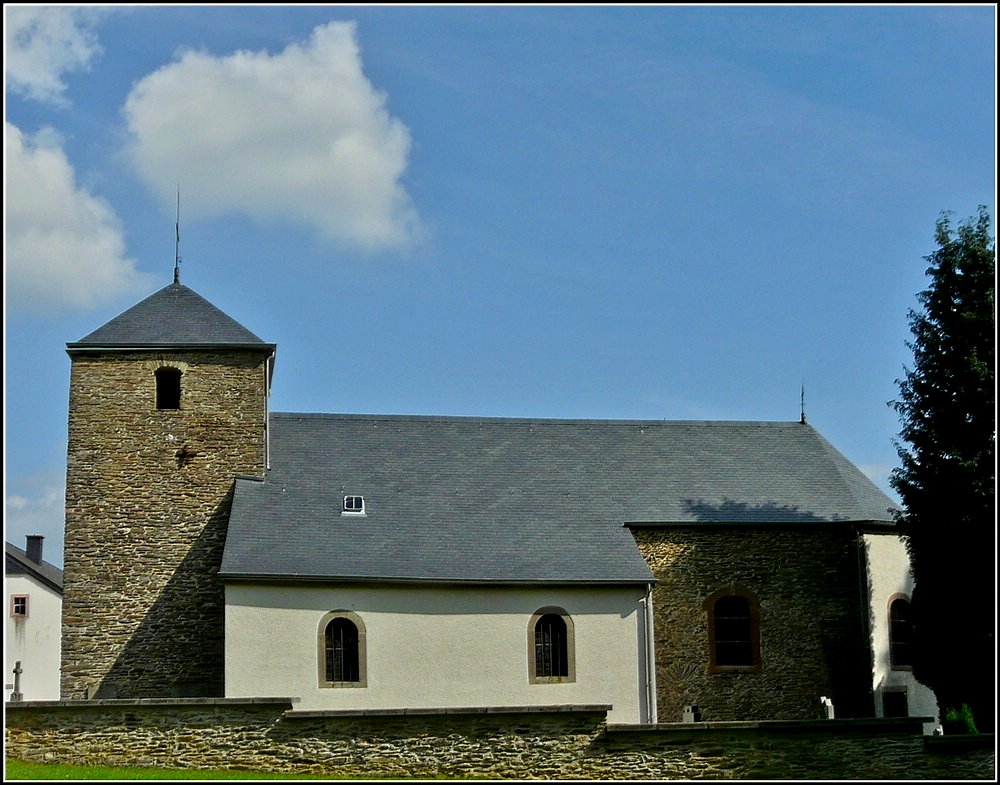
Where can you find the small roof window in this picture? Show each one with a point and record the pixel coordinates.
(354, 505)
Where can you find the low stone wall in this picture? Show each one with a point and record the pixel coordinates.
(808, 750)
(568, 742)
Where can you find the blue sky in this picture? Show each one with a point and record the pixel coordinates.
(646, 212)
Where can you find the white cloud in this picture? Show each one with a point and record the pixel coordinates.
(300, 136)
(42, 43)
(64, 246)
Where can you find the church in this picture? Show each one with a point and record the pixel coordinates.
(663, 570)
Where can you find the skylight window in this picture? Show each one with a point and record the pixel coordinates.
(354, 505)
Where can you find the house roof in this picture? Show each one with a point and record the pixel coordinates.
(16, 562)
(517, 500)
(175, 316)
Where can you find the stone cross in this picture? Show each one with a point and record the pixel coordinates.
(16, 694)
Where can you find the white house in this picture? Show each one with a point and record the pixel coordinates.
(32, 636)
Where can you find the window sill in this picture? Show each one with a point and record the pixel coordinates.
(734, 669)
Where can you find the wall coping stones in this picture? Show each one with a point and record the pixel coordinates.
(960, 742)
(882, 726)
(561, 708)
(103, 702)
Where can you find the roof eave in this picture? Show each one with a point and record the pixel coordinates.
(865, 524)
(84, 348)
(248, 577)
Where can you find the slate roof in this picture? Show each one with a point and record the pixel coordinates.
(174, 316)
(16, 562)
(517, 500)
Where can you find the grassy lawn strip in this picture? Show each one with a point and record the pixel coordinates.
(23, 770)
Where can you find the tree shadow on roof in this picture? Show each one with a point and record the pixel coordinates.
(730, 511)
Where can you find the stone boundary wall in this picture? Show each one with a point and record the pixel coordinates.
(562, 742)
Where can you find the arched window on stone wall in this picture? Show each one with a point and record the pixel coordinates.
(551, 647)
(733, 631)
(342, 650)
(900, 632)
(168, 388)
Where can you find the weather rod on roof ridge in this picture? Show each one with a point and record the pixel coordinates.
(177, 239)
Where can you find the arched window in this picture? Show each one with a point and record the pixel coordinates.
(168, 388)
(342, 650)
(551, 648)
(733, 631)
(900, 633)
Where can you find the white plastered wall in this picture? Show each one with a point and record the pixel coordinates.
(436, 647)
(889, 575)
(35, 641)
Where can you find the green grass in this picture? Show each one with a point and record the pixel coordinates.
(22, 770)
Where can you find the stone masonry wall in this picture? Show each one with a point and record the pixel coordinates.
(558, 743)
(813, 633)
(147, 501)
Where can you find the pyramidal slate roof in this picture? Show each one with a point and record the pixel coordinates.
(174, 316)
(521, 501)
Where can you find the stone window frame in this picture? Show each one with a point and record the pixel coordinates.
(160, 377)
(894, 643)
(19, 600)
(570, 677)
(324, 622)
(709, 606)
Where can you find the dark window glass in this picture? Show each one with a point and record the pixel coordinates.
(342, 651)
(551, 656)
(168, 388)
(733, 631)
(894, 704)
(900, 634)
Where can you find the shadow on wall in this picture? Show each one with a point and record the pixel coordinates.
(178, 649)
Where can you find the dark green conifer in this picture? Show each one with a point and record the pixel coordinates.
(946, 479)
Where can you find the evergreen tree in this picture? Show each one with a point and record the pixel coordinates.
(946, 480)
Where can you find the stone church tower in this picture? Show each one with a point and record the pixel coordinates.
(167, 406)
